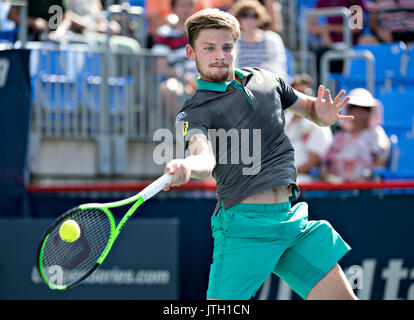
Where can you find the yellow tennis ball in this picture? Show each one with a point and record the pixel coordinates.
(69, 231)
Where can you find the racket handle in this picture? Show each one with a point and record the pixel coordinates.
(156, 186)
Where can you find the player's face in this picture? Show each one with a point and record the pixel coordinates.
(214, 52)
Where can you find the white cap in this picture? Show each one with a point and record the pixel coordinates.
(362, 97)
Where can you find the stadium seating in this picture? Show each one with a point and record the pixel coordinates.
(63, 70)
(55, 70)
(69, 80)
(405, 156)
(140, 3)
(388, 63)
(92, 75)
(401, 159)
(304, 5)
(407, 71)
(399, 126)
(398, 111)
(290, 59)
(65, 81)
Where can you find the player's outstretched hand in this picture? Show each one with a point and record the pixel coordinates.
(180, 172)
(327, 110)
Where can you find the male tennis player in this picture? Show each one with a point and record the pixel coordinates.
(255, 229)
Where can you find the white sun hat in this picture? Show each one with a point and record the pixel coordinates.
(362, 97)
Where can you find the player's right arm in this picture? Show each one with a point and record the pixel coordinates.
(198, 165)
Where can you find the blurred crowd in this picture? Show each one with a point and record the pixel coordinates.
(349, 151)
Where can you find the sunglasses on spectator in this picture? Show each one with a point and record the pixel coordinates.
(249, 15)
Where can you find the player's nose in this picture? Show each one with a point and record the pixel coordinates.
(220, 54)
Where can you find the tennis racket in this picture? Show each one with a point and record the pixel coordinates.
(63, 265)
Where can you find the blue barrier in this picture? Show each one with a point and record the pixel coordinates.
(143, 263)
(388, 61)
(376, 223)
(14, 129)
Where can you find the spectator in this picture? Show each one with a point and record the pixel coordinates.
(361, 145)
(179, 72)
(392, 20)
(87, 23)
(224, 5)
(273, 8)
(40, 21)
(257, 47)
(310, 141)
(330, 34)
(158, 11)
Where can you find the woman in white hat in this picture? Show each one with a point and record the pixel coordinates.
(360, 145)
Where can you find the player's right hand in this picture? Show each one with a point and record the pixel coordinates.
(180, 172)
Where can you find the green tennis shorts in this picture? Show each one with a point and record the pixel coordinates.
(253, 240)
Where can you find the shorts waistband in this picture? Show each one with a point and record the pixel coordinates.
(261, 208)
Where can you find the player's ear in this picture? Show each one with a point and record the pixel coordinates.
(190, 52)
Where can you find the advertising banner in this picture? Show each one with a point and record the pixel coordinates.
(142, 264)
(377, 224)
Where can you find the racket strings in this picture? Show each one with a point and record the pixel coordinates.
(65, 263)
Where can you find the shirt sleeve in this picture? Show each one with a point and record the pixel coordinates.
(288, 97)
(190, 123)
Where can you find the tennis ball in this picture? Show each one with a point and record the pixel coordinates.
(69, 231)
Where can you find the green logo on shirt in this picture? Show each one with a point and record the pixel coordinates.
(185, 127)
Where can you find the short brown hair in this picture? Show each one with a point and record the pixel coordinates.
(211, 18)
(242, 6)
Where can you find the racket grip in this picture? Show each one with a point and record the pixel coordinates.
(156, 186)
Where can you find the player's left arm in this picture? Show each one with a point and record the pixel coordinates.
(321, 110)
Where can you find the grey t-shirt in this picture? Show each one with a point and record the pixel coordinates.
(245, 123)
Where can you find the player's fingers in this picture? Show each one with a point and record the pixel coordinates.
(171, 169)
(328, 96)
(183, 173)
(339, 97)
(167, 185)
(179, 175)
(175, 179)
(343, 103)
(186, 173)
(321, 89)
(167, 170)
(345, 117)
